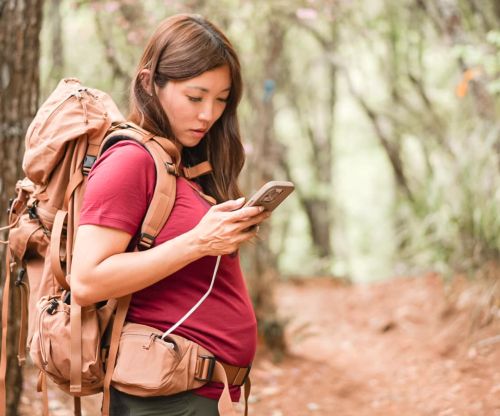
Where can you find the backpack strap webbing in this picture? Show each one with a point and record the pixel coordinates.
(5, 320)
(55, 248)
(163, 197)
(121, 313)
(200, 169)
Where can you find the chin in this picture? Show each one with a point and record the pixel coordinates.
(190, 142)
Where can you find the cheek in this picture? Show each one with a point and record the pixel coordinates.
(178, 113)
(219, 112)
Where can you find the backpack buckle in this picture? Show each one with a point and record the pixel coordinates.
(146, 240)
(20, 277)
(88, 162)
(172, 168)
(205, 368)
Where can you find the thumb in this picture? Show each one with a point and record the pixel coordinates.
(230, 205)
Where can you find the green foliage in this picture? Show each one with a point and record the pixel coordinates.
(486, 58)
(403, 95)
(454, 224)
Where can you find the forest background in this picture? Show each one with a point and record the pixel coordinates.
(383, 113)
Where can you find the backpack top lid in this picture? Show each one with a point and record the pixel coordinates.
(71, 111)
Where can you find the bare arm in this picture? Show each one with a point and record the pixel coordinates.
(102, 270)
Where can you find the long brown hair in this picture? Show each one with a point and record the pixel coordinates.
(183, 47)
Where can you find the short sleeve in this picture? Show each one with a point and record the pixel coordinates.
(120, 187)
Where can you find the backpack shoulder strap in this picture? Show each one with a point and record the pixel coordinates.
(166, 159)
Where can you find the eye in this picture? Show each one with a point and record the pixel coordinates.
(223, 100)
(194, 99)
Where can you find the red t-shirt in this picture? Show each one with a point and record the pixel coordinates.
(120, 185)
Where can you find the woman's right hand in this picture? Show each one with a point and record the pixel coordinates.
(226, 226)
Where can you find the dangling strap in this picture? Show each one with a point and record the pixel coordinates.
(121, 313)
(75, 372)
(23, 325)
(225, 404)
(247, 388)
(77, 403)
(5, 322)
(42, 387)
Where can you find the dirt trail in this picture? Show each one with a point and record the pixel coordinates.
(395, 348)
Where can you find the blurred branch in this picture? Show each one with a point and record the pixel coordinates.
(479, 11)
(450, 15)
(392, 149)
(2, 5)
(110, 51)
(55, 22)
(316, 119)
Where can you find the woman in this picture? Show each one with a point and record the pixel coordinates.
(187, 88)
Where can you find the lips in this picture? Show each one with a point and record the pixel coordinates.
(198, 133)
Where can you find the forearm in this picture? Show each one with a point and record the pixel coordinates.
(128, 272)
(102, 269)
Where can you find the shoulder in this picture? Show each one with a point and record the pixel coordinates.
(128, 150)
(124, 156)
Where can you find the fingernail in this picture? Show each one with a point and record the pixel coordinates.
(240, 200)
(261, 209)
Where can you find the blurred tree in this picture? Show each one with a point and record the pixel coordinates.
(310, 88)
(441, 213)
(54, 23)
(261, 69)
(20, 24)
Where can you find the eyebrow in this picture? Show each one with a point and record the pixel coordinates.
(205, 89)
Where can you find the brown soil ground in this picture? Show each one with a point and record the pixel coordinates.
(405, 347)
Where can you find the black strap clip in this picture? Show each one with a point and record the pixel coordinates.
(88, 162)
(20, 277)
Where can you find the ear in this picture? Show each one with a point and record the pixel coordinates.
(145, 78)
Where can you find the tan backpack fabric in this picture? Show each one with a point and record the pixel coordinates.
(69, 343)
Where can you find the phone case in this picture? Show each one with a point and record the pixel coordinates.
(271, 194)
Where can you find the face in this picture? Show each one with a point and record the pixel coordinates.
(194, 105)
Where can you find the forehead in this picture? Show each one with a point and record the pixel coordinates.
(215, 80)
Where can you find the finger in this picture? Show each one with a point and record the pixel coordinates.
(249, 222)
(248, 234)
(230, 205)
(246, 213)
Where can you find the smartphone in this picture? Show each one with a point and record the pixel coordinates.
(271, 195)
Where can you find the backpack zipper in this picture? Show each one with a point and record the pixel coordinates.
(79, 96)
(49, 117)
(51, 309)
(150, 339)
(40, 331)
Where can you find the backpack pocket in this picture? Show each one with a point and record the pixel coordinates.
(147, 366)
(50, 347)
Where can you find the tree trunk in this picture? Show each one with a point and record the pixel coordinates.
(20, 23)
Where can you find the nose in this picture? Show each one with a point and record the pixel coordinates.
(206, 113)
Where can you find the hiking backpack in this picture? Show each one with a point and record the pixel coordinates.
(69, 132)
